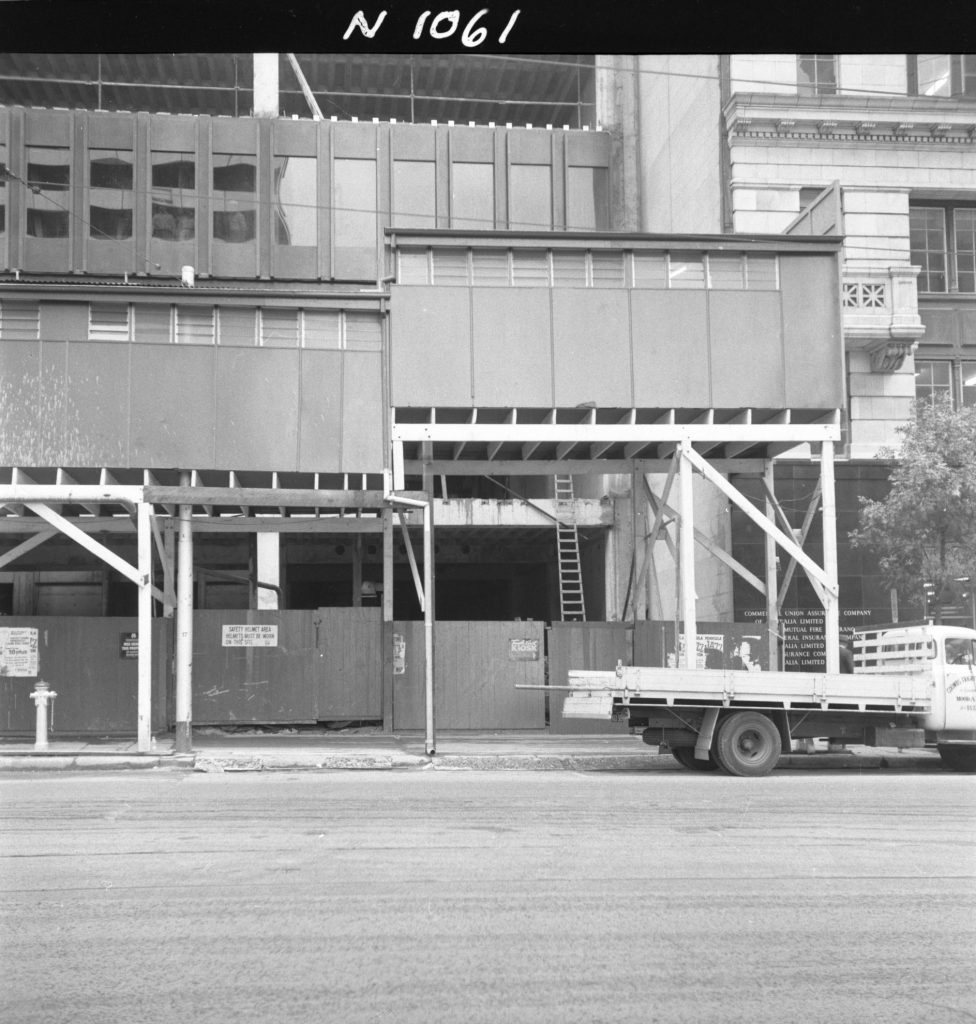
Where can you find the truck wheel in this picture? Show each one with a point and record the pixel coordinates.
(957, 758)
(748, 744)
(685, 756)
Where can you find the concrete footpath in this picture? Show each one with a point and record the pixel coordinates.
(373, 750)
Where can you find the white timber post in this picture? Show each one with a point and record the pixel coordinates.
(686, 556)
(268, 569)
(265, 84)
(430, 743)
(144, 664)
(184, 627)
(831, 588)
(772, 577)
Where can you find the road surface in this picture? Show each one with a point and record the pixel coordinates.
(653, 897)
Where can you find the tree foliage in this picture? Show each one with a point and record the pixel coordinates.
(925, 530)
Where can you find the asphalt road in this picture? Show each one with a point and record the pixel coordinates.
(488, 897)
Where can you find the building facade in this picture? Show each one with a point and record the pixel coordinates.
(251, 362)
(878, 148)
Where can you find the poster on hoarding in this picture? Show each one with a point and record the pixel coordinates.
(18, 651)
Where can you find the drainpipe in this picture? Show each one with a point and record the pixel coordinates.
(429, 744)
(184, 626)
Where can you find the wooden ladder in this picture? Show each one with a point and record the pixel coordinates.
(571, 607)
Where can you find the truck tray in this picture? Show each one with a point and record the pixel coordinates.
(904, 692)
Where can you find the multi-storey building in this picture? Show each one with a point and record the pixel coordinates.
(879, 148)
(247, 346)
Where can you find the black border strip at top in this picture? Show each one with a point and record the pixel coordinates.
(541, 26)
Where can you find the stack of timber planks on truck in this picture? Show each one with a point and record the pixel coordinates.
(911, 685)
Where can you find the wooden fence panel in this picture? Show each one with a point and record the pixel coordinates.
(585, 645)
(237, 680)
(476, 668)
(86, 662)
(349, 664)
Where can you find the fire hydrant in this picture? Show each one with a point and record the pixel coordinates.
(41, 696)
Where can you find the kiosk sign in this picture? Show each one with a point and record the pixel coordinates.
(18, 651)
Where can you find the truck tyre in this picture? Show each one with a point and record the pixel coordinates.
(685, 756)
(957, 758)
(747, 744)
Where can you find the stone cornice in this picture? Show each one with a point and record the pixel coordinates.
(857, 120)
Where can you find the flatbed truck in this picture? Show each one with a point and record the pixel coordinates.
(911, 686)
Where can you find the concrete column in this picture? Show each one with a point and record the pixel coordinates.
(268, 569)
(266, 85)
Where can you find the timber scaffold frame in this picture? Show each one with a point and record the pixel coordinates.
(714, 443)
(165, 517)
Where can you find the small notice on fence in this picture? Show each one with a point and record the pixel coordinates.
(399, 654)
(128, 645)
(18, 651)
(249, 636)
(523, 650)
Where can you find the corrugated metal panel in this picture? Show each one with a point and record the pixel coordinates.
(349, 664)
(594, 646)
(97, 688)
(475, 676)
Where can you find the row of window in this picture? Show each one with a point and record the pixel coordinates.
(208, 325)
(578, 268)
(234, 202)
(945, 378)
(943, 244)
(946, 75)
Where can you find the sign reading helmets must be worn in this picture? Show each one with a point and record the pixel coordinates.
(523, 649)
(251, 635)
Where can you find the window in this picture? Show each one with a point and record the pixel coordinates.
(490, 267)
(322, 329)
(363, 332)
(414, 194)
(110, 199)
(153, 324)
(944, 75)
(3, 188)
(685, 270)
(236, 325)
(587, 200)
(530, 267)
(234, 188)
(945, 378)
(108, 321)
(816, 74)
(608, 270)
(726, 272)
(173, 196)
(48, 201)
(449, 266)
(530, 197)
(19, 321)
(569, 269)
(279, 328)
(295, 200)
(194, 325)
(964, 229)
(943, 244)
(650, 270)
(967, 391)
(355, 204)
(472, 196)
